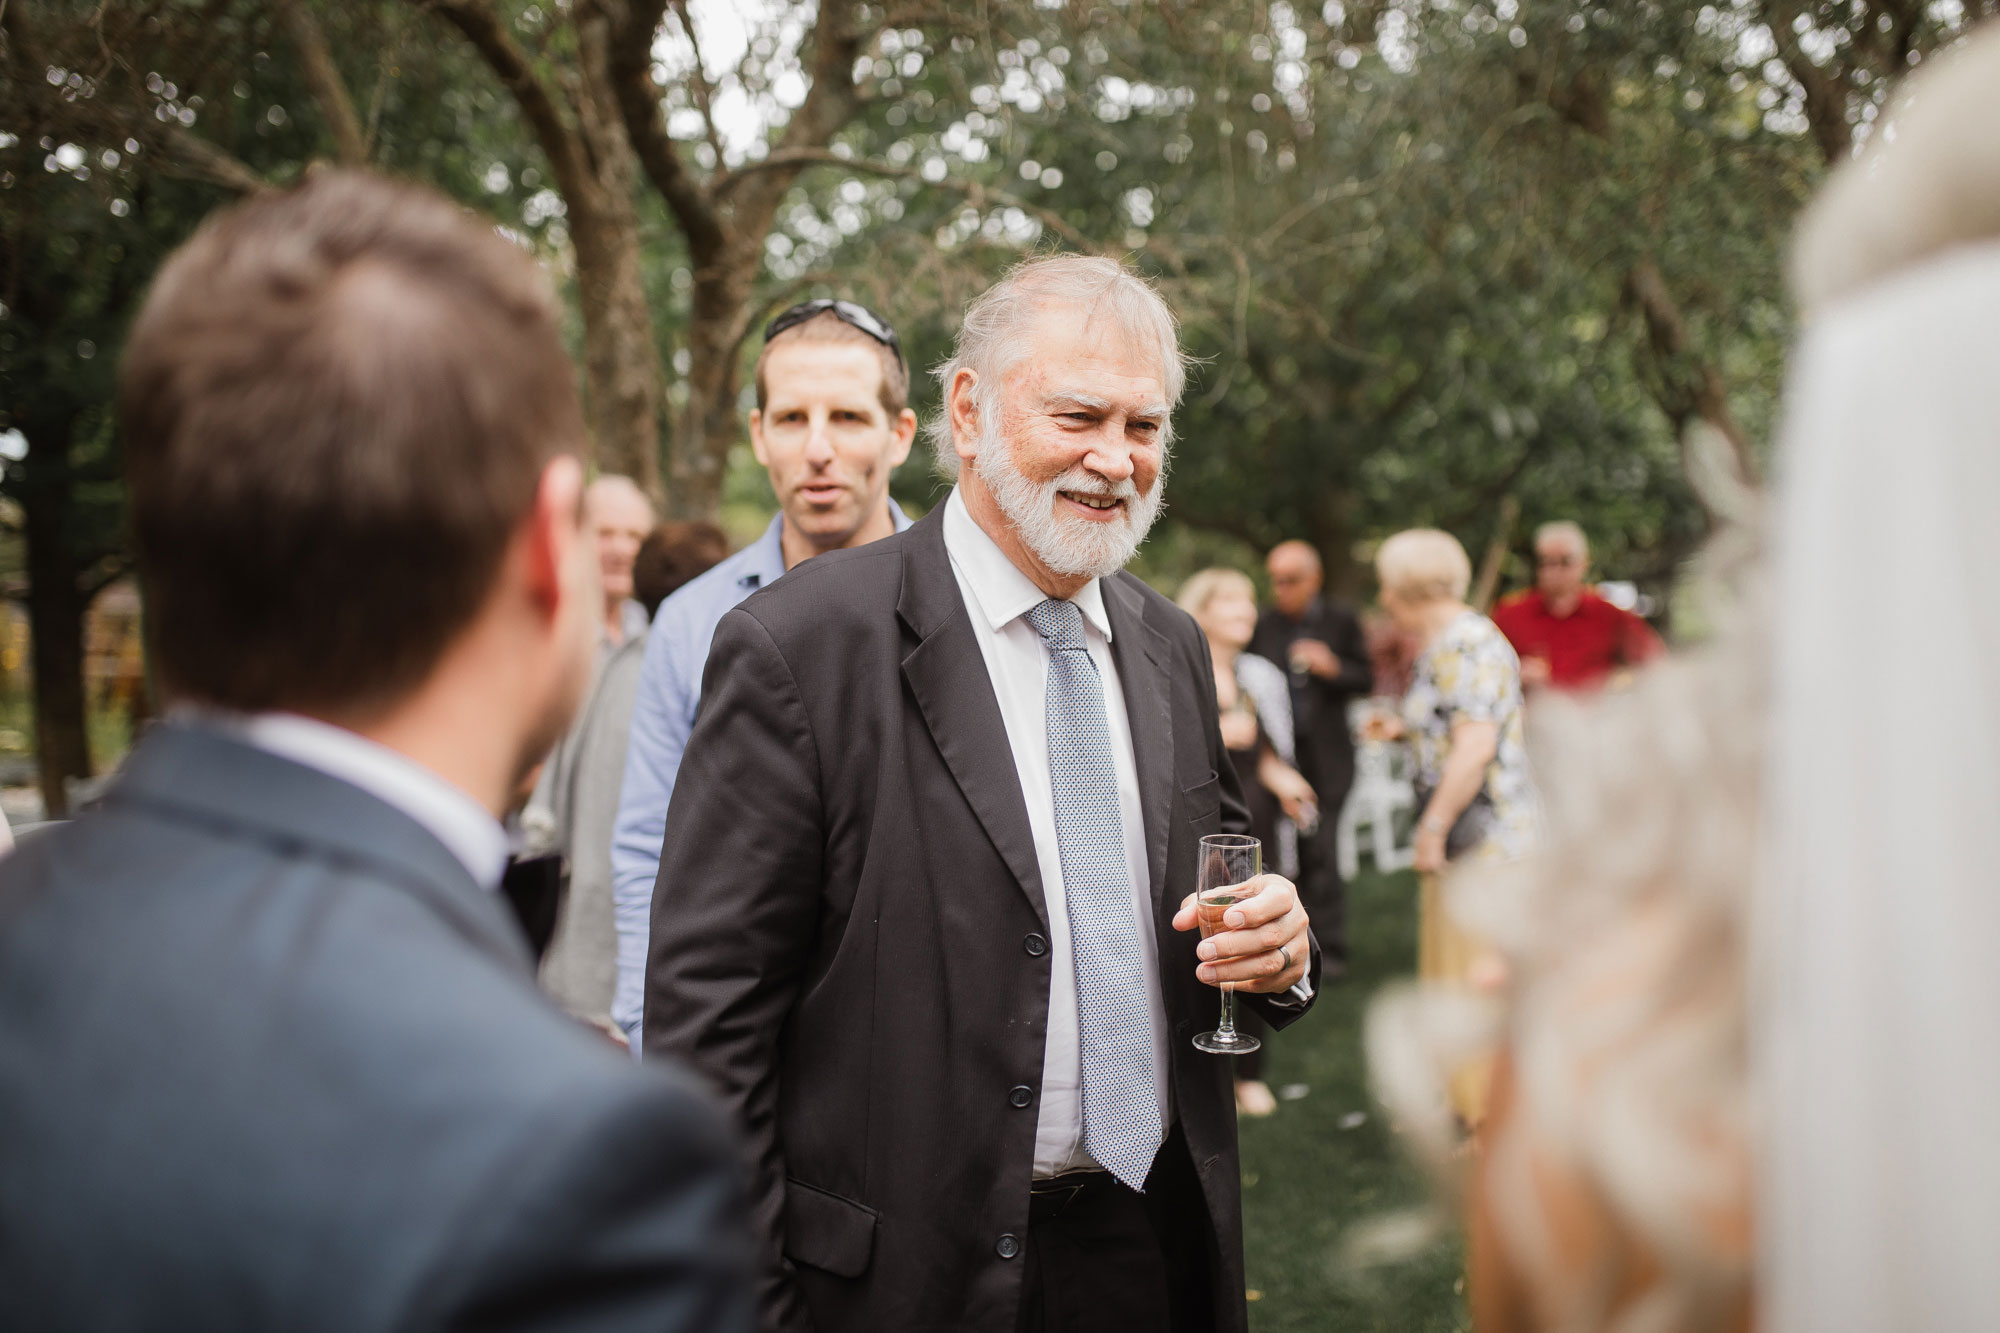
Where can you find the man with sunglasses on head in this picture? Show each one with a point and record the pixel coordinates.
(832, 423)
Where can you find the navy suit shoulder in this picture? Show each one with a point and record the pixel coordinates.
(264, 1063)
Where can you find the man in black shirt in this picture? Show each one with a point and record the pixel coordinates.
(1319, 642)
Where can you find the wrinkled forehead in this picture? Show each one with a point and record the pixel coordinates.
(1071, 352)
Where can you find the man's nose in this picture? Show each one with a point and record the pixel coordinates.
(1111, 459)
(819, 441)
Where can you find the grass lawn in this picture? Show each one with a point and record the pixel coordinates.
(1307, 1180)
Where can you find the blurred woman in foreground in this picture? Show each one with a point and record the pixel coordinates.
(1256, 715)
(1769, 880)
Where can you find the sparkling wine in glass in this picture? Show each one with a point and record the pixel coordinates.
(1229, 861)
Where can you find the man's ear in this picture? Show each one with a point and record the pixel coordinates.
(906, 433)
(757, 437)
(555, 527)
(961, 401)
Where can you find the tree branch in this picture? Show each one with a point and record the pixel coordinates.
(751, 193)
(1826, 95)
(976, 194)
(704, 94)
(482, 27)
(322, 76)
(631, 61)
(195, 158)
(1687, 387)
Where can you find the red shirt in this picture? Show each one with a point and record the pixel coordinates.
(1581, 648)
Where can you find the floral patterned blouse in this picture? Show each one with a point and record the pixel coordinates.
(1469, 673)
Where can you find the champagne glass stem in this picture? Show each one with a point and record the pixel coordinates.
(1226, 1030)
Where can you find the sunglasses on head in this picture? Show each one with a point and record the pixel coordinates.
(847, 312)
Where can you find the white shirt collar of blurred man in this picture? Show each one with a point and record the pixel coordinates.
(466, 828)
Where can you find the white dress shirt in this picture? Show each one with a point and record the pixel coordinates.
(997, 597)
(466, 828)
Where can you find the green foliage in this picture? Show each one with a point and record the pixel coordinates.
(1328, 1168)
(1400, 235)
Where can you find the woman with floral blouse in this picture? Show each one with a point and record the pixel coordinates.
(1461, 718)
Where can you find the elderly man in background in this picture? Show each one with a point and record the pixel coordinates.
(924, 911)
(1321, 645)
(832, 422)
(1568, 637)
(576, 798)
(620, 516)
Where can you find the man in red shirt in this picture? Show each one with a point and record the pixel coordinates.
(1567, 636)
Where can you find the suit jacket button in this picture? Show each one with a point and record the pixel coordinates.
(1035, 945)
(1008, 1247)
(1021, 1096)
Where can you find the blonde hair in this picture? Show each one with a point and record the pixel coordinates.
(1928, 180)
(1627, 1007)
(1424, 565)
(1200, 589)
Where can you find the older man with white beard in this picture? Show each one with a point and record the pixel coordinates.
(924, 907)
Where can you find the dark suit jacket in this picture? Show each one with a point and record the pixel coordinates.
(270, 1059)
(1319, 707)
(849, 934)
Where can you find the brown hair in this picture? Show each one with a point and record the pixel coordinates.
(337, 404)
(672, 554)
(828, 327)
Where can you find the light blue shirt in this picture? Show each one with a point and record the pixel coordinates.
(662, 718)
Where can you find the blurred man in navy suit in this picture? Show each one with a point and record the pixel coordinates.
(271, 1055)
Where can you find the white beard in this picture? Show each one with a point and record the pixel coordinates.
(1065, 543)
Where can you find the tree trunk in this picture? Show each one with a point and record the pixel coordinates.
(621, 364)
(709, 426)
(620, 357)
(55, 618)
(584, 138)
(1686, 388)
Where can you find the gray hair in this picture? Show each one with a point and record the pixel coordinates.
(993, 335)
(1568, 531)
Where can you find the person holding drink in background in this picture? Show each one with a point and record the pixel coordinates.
(925, 912)
(1461, 718)
(1256, 721)
(1320, 643)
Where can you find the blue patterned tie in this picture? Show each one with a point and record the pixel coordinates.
(1121, 1108)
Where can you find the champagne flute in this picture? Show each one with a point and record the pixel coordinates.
(1229, 861)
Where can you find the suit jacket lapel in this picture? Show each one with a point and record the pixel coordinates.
(1142, 654)
(946, 673)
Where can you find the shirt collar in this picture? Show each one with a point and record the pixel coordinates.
(632, 619)
(765, 558)
(466, 828)
(767, 554)
(1000, 591)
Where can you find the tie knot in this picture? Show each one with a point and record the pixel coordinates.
(1059, 623)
